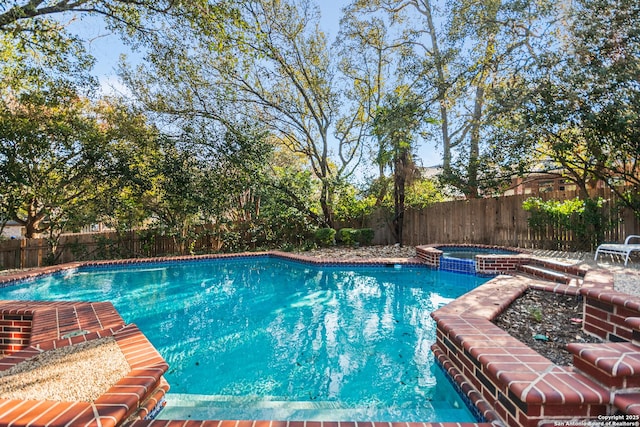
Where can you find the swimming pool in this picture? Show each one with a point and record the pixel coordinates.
(265, 338)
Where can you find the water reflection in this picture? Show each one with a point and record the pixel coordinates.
(278, 329)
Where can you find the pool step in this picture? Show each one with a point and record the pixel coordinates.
(554, 271)
(197, 407)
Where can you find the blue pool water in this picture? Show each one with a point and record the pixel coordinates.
(465, 252)
(265, 338)
(462, 259)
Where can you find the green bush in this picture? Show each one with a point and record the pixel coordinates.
(325, 236)
(584, 219)
(232, 241)
(348, 236)
(355, 236)
(365, 236)
(287, 247)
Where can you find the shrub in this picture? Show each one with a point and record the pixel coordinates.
(232, 241)
(352, 206)
(354, 236)
(325, 236)
(365, 236)
(287, 247)
(348, 236)
(584, 219)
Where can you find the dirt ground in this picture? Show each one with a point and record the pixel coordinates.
(543, 321)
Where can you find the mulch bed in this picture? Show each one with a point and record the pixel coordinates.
(543, 321)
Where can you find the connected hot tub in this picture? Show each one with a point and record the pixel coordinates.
(472, 259)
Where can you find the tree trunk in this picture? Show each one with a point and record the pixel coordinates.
(325, 204)
(400, 179)
(30, 230)
(476, 121)
(442, 87)
(33, 220)
(474, 145)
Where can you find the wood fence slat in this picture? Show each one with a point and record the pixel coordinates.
(27, 253)
(494, 221)
(497, 221)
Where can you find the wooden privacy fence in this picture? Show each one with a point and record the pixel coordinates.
(27, 253)
(496, 221)
(491, 221)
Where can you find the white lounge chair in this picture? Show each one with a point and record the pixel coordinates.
(618, 248)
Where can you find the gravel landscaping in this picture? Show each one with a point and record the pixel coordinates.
(77, 373)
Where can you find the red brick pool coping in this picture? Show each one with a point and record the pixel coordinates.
(503, 378)
(523, 387)
(50, 323)
(263, 423)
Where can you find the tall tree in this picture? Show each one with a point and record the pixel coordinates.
(131, 17)
(428, 56)
(458, 51)
(50, 156)
(397, 123)
(275, 67)
(37, 31)
(579, 104)
(369, 58)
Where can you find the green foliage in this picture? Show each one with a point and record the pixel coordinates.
(557, 211)
(353, 206)
(422, 193)
(325, 237)
(347, 236)
(47, 53)
(536, 314)
(272, 207)
(466, 49)
(232, 241)
(288, 205)
(584, 218)
(249, 69)
(289, 227)
(355, 236)
(259, 235)
(287, 247)
(52, 157)
(578, 104)
(365, 236)
(419, 193)
(396, 124)
(276, 69)
(107, 248)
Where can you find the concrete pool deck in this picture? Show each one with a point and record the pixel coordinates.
(509, 383)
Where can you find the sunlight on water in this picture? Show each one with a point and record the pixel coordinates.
(354, 340)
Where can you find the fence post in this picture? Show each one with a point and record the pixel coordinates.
(23, 253)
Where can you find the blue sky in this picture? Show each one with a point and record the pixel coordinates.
(107, 48)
